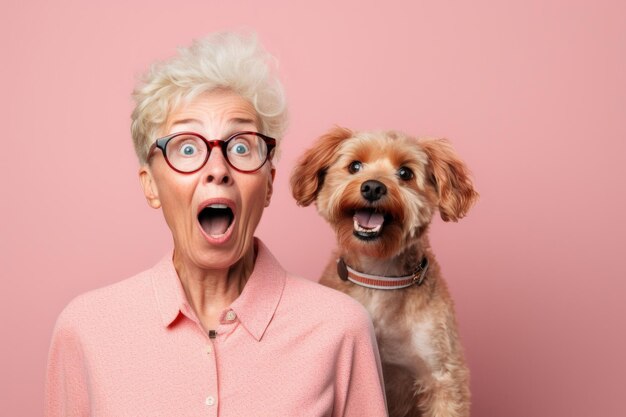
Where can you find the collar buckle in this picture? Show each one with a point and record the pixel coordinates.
(420, 272)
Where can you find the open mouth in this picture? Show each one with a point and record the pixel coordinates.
(368, 224)
(215, 219)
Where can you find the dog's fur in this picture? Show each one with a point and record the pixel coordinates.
(423, 366)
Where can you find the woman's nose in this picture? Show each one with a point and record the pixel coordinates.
(217, 169)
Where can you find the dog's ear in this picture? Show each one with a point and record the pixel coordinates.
(308, 175)
(452, 179)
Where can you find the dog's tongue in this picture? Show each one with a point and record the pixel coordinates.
(368, 219)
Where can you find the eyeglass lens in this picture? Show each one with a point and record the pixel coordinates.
(187, 153)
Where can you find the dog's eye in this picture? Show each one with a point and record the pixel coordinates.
(405, 173)
(354, 167)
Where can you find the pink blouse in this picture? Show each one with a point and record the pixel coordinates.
(285, 347)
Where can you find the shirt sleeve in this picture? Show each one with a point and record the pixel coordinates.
(66, 383)
(359, 383)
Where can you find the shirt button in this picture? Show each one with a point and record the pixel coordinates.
(210, 401)
(230, 316)
(209, 349)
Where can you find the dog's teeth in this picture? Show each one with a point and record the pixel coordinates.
(361, 229)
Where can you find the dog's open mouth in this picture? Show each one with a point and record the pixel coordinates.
(368, 224)
(215, 219)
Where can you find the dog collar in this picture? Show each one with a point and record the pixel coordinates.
(382, 283)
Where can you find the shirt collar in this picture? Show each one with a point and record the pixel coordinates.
(259, 299)
(254, 307)
(168, 291)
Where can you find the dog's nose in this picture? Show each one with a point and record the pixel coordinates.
(372, 190)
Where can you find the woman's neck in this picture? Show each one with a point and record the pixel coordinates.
(210, 291)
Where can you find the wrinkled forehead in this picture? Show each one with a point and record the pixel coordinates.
(395, 148)
(210, 112)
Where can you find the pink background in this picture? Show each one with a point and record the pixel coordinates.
(531, 93)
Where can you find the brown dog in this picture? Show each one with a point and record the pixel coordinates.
(379, 191)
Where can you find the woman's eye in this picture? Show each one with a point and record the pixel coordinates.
(405, 173)
(240, 149)
(355, 166)
(188, 149)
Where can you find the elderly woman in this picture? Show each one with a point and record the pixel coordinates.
(217, 327)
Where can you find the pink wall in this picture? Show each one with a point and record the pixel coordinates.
(532, 94)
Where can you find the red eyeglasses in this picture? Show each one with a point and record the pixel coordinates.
(187, 152)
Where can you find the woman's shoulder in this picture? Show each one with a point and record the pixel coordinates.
(105, 302)
(323, 303)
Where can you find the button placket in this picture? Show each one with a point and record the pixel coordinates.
(212, 387)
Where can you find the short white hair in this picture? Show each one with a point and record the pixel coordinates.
(223, 60)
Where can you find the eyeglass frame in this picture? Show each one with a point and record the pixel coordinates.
(161, 143)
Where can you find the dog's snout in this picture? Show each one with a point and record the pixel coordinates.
(373, 190)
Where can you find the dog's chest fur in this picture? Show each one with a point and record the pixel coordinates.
(402, 336)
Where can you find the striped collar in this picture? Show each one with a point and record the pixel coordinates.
(383, 283)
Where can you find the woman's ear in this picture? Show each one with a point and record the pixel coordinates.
(452, 179)
(149, 187)
(307, 177)
(270, 186)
